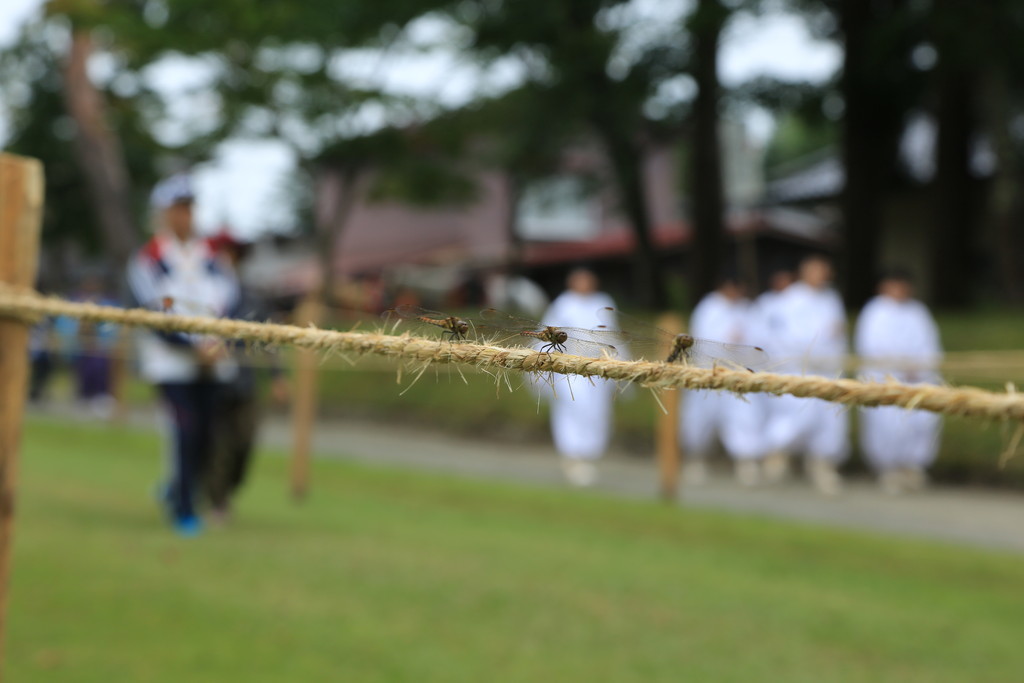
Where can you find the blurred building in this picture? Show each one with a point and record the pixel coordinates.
(569, 217)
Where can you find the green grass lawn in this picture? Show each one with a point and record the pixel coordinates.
(394, 576)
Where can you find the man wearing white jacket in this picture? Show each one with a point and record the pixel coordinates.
(724, 315)
(897, 339)
(178, 272)
(809, 338)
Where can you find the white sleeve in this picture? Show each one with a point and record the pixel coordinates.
(863, 333)
(142, 282)
(701, 317)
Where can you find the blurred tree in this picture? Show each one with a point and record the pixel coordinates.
(802, 126)
(877, 91)
(33, 80)
(705, 26)
(956, 109)
(519, 135)
(979, 100)
(577, 62)
(1001, 113)
(796, 136)
(422, 166)
(878, 86)
(272, 69)
(99, 151)
(278, 71)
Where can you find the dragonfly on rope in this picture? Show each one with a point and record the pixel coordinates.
(574, 340)
(455, 328)
(653, 343)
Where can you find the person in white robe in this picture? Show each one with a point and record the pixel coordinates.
(766, 321)
(724, 315)
(581, 408)
(809, 339)
(897, 339)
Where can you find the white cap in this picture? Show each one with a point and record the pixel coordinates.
(172, 190)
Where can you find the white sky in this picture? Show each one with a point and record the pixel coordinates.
(243, 182)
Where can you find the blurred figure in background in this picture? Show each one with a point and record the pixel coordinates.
(95, 344)
(808, 337)
(765, 316)
(765, 329)
(178, 272)
(723, 315)
(41, 359)
(581, 412)
(237, 415)
(898, 339)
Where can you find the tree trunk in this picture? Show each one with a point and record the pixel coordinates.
(334, 198)
(99, 153)
(952, 250)
(1004, 202)
(627, 166)
(706, 187)
(864, 158)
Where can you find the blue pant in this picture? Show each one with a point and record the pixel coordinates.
(192, 406)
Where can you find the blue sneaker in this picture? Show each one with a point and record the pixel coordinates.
(188, 527)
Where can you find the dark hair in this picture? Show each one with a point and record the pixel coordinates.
(728, 275)
(815, 256)
(897, 273)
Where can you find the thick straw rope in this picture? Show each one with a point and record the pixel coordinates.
(968, 402)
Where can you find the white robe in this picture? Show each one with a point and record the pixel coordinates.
(581, 409)
(905, 335)
(808, 337)
(705, 414)
(764, 319)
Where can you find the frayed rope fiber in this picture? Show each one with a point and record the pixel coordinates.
(964, 401)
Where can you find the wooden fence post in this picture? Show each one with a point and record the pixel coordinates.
(21, 205)
(666, 429)
(304, 401)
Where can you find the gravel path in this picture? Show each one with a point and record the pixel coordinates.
(967, 516)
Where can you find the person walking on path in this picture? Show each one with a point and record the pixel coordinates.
(723, 315)
(897, 339)
(581, 411)
(809, 338)
(237, 416)
(178, 272)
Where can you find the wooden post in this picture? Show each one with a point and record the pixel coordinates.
(21, 206)
(666, 429)
(304, 401)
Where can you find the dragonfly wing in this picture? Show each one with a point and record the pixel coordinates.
(615, 318)
(639, 346)
(407, 311)
(609, 317)
(507, 321)
(598, 342)
(706, 353)
(411, 312)
(591, 349)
